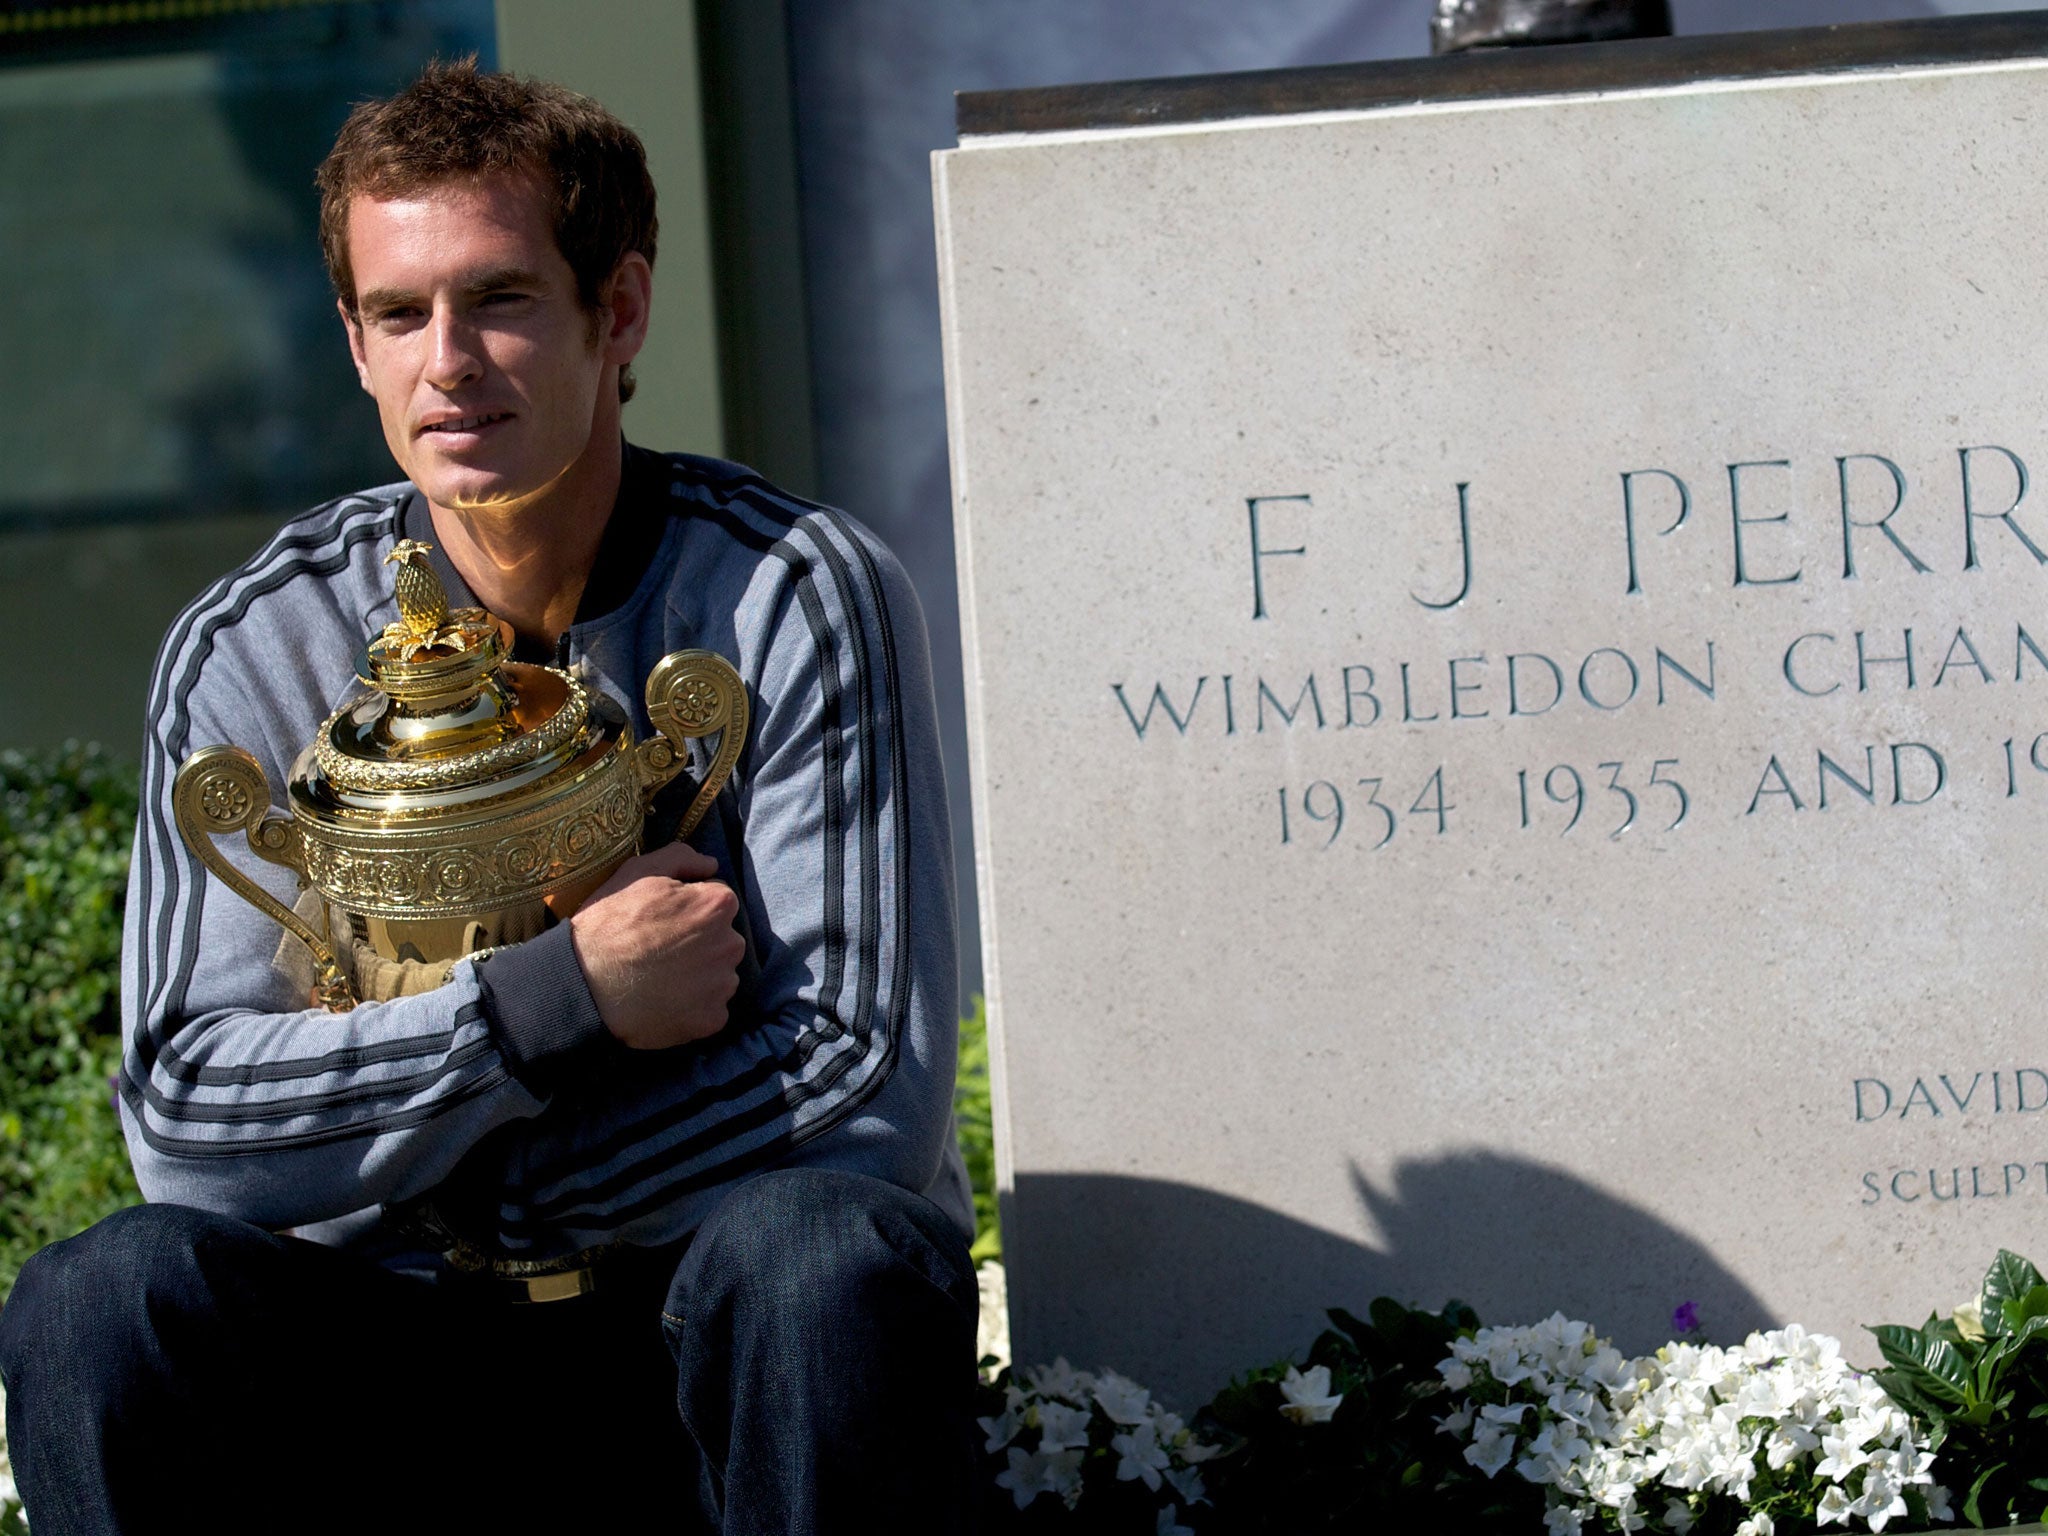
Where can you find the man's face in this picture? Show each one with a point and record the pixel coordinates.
(486, 370)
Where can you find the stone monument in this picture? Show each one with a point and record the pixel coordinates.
(1508, 677)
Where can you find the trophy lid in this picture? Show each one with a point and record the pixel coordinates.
(449, 720)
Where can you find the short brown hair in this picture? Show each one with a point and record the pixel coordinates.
(457, 123)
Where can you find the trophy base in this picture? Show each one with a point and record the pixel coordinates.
(383, 958)
(442, 940)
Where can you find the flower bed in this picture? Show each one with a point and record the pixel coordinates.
(1426, 1420)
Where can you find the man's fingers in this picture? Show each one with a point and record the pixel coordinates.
(678, 861)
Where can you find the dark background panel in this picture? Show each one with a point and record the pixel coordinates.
(173, 381)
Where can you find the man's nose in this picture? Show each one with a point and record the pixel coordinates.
(453, 355)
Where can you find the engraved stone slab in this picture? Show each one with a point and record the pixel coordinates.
(1508, 678)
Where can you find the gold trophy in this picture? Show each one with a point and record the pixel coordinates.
(458, 800)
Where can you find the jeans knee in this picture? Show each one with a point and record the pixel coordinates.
(804, 1239)
(92, 1290)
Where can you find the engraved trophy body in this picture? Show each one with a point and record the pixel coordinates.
(459, 799)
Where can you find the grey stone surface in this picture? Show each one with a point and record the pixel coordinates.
(1661, 955)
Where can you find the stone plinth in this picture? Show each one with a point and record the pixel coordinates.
(1508, 675)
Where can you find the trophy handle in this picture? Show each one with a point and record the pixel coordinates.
(221, 790)
(691, 694)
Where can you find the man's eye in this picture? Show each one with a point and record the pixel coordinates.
(500, 300)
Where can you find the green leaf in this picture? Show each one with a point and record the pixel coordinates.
(2009, 1278)
(1460, 1317)
(1387, 1314)
(1991, 1363)
(1360, 1332)
(1933, 1364)
(1971, 1512)
(1976, 1414)
(2016, 1343)
(2016, 1312)
(1899, 1388)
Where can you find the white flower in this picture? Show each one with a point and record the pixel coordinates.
(1562, 1520)
(1679, 1516)
(1609, 1369)
(1879, 1501)
(1169, 1523)
(1786, 1443)
(1123, 1399)
(1757, 1525)
(1456, 1422)
(1833, 1508)
(1060, 1380)
(1181, 1441)
(1491, 1449)
(1309, 1399)
(1061, 1428)
(1456, 1374)
(1969, 1321)
(1937, 1504)
(1034, 1472)
(1142, 1456)
(1006, 1426)
(1187, 1482)
(1841, 1451)
(1503, 1355)
(1552, 1455)
(1574, 1403)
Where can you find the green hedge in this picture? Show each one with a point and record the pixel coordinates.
(66, 821)
(973, 1115)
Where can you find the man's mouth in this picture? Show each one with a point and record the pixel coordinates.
(464, 423)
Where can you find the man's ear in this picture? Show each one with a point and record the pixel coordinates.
(354, 328)
(625, 304)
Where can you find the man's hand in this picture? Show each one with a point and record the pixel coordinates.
(658, 948)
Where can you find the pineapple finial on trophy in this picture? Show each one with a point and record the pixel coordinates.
(422, 600)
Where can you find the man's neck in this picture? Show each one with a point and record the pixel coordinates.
(529, 565)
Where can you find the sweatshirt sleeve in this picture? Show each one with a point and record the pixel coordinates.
(236, 1096)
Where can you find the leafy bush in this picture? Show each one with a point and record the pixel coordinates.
(1978, 1379)
(974, 1116)
(66, 821)
(1292, 1465)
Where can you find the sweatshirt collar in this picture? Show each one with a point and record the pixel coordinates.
(632, 536)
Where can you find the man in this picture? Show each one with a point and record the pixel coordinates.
(756, 1182)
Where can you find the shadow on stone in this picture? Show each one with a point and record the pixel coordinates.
(1182, 1287)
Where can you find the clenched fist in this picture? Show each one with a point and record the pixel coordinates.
(657, 945)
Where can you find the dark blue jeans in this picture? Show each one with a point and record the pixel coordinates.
(805, 1366)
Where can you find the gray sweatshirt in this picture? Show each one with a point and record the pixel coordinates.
(502, 1093)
